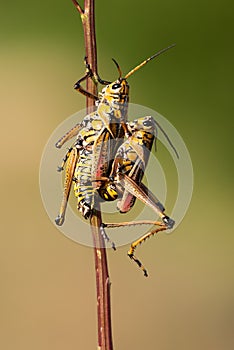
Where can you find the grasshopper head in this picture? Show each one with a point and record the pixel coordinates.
(118, 91)
(146, 124)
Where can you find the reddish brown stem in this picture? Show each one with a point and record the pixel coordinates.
(101, 268)
(103, 285)
(81, 11)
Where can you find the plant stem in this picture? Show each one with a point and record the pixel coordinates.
(101, 268)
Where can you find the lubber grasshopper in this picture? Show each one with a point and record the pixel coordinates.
(126, 176)
(131, 160)
(92, 154)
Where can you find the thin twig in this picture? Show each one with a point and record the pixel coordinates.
(81, 11)
(101, 267)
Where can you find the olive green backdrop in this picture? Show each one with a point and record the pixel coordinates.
(47, 290)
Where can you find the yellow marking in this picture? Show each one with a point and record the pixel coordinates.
(112, 192)
(97, 124)
(84, 165)
(131, 156)
(82, 197)
(80, 173)
(80, 186)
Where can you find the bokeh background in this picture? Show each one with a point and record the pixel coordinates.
(47, 293)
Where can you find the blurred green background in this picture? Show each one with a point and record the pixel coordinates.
(47, 281)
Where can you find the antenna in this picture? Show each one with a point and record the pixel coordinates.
(167, 138)
(145, 61)
(118, 67)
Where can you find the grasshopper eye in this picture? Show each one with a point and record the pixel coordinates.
(116, 86)
(147, 123)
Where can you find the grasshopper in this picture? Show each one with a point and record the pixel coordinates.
(125, 180)
(98, 138)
